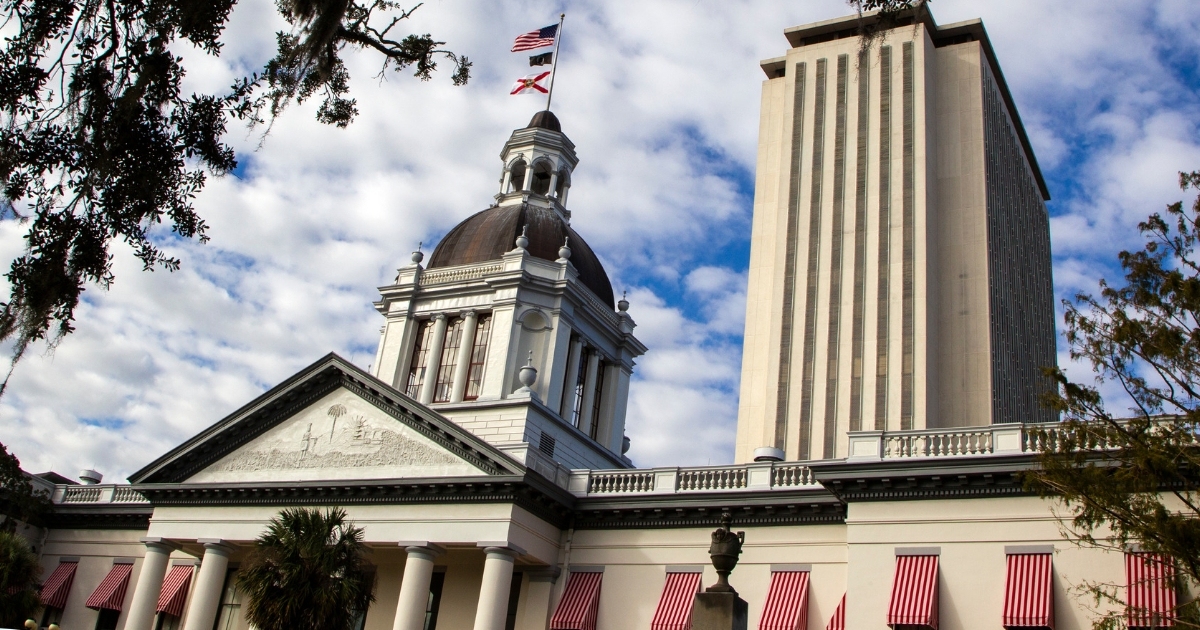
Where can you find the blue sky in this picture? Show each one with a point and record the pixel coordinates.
(661, 99)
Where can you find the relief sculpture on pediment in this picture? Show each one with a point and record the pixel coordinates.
(338, 440)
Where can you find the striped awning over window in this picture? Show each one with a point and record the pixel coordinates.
(914, 592)
(787, 602)
(838, 620)
(175, 590)
(111, 592)
(580, 603)
(1151, 581)
(1028, 594)
(674, 610)
(56, 587)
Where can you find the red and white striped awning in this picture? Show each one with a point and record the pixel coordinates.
(580, 603)
(1151, 581)
(175, 590)
(111, 592)
(674, 610)
(56, 587)
(838, 620)
(914, 592)
(1028, 594)
(787, 602)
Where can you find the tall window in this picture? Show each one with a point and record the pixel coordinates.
(230, 611)
(420, 359)
(445, 375)
(580, 381)
(514, 598)
(483, 333)
(435, 600)
(595, 429)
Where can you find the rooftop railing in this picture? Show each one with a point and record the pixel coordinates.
(746, 477)
(997, 439)
(98, 493)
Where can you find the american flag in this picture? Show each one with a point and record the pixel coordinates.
(536, 39)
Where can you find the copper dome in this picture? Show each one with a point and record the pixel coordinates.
(489, 234)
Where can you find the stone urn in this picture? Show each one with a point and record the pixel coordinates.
(725, 549)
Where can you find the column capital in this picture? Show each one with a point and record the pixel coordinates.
(501, 547)
(159, 544)
(438, 316)
(423, 547)
(219, 546)
(470, 312)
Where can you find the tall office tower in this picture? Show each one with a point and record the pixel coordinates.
(900, 271)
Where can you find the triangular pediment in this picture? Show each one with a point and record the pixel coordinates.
(331, 421)
(340, 436)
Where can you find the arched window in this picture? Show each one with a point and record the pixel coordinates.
(564, 182)
(516, 178)
(541, 177)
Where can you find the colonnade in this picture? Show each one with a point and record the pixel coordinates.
(205, 600)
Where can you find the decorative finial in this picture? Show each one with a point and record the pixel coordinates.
(564, 252)
(623, 305)
(417, 256)
(523, 239)
(527, 375)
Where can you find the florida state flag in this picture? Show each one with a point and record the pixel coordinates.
(531, 84)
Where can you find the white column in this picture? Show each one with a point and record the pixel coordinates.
(563, 200)
(149, 584)
(435, 358)
(589, 393)
(572, 376)
(505, 181)
(206, 596)
(463, 361)
(414, 589)
(493, 593)
(537, 599)
(528, 178)
(553, 184)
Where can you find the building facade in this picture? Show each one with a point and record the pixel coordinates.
(900, 259)
(483, 452)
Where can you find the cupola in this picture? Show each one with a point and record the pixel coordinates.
(512, 331)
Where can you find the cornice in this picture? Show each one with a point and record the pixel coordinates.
(810, 506)
(100, 517)
(931, 478)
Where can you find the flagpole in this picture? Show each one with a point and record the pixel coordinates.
(554, 62)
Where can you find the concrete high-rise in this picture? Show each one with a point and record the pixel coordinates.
(900, 272)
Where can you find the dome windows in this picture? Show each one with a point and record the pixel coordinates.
(516, 177)
(543, 172)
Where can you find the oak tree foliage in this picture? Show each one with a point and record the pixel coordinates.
(19, 573)
(19, 501)
(100, 143)
(307, 572)
(1131, 477)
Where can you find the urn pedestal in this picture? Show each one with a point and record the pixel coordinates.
(719, 611)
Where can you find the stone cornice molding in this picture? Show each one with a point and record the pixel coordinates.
(933, 478)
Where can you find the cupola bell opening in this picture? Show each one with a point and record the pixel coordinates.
(542, 172)
(516, 178)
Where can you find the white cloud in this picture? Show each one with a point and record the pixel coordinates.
(662, 100)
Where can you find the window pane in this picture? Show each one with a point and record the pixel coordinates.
(445, 379)
(595, 430)
(483, 333)
(420, 360)
(435, 599)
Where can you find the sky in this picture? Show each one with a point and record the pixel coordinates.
(661, 99)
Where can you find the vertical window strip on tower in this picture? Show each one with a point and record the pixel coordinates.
(814, 248)
(580, 383)
(595, 428)
(420, 359)
(860, 241)
(445, 376)
(907, 367)
(789, 265)
(837, 257)
(885, 235)
(483, 334)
